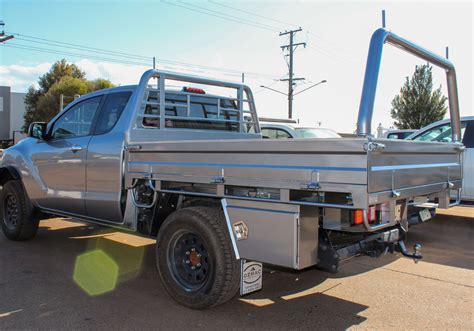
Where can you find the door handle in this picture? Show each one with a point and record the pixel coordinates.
(75, 148)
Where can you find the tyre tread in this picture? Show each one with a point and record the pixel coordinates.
(29, 223)
(227, 279)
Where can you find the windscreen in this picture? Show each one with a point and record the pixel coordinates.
(316, 133)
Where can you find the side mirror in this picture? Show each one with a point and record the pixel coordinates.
(37, 130)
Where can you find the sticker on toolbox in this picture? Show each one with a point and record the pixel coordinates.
(425, 215)
(250, 277)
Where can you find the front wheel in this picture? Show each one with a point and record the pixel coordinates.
(18, 219)
(195, 258)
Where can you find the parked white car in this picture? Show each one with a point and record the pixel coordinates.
(287, 129)
(398, 134)
(441, 131)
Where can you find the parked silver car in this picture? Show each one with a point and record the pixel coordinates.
(441, 132)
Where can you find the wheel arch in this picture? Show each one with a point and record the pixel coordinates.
(168, 203)
(8, 173)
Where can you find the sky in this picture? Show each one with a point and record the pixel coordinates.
(240, 36)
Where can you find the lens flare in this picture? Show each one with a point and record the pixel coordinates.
(96, 272)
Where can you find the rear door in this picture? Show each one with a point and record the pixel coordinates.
(104, 194)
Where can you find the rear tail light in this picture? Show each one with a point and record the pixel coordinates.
(358, 215)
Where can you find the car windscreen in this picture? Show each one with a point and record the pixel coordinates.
(316, 133)
(441, 133)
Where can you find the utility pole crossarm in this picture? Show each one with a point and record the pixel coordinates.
(290, 31)
(294, 45)
(287, 79)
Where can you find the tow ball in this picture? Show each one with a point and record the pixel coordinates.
(416, 256)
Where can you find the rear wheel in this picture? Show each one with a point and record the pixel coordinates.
(195, 258)
(18, 219)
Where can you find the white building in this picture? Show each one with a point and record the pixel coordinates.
(12, 110)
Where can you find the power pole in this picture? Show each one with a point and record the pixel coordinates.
(291, 48)
(61, 102)
(4, 37)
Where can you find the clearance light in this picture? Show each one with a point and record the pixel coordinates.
(193, 90)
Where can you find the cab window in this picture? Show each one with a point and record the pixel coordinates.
(77, 120)
(111, 111)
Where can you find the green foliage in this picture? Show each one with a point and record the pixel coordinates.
(99, 84)
(59, 70)
(417, 105)
(31, 99)
(63, 78)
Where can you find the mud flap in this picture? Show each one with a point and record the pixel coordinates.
(251, 274)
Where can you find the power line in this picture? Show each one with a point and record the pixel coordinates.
(61, 44)
(76, 46)
(229, 15)
(327, 52)
(337, 52)
(333, 54)
(221, 15)
(84, 49)
(49, 51)
(253, 14)
(44, 50)
(87, 56)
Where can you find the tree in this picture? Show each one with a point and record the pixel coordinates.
(63, 78)
(99, 84)
(417, 105)
(48, 104)
(59, 70)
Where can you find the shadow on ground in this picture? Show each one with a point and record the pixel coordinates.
(38, 287)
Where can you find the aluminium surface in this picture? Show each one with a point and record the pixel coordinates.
(294, 228)
(407, 164)
(379, 38)
(337, 165)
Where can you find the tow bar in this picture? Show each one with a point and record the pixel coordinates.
(416, 256)
(375, 246)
